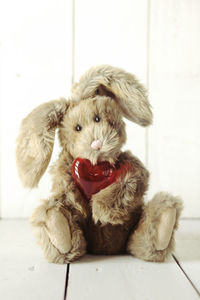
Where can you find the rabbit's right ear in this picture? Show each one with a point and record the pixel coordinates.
(123, 87)
(36, 139)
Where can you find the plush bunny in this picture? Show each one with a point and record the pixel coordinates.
(96, 205)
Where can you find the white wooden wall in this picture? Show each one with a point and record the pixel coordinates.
(46, 43)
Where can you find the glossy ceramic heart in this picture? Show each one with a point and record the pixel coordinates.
(92, 178)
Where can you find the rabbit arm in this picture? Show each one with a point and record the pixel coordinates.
(64, 187)
(139, 174)
(116, 203)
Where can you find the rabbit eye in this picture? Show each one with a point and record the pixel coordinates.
(97, 119)
(78, 127)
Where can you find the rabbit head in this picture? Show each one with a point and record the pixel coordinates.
(93, 129)
(90, 123)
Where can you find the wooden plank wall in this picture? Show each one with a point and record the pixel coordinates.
(159, 41)
(174, 89)
(36, 67)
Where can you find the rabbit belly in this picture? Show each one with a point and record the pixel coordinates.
(109, 239)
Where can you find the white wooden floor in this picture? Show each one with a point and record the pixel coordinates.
(24, 274)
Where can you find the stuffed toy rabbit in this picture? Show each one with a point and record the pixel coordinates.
(97, 201)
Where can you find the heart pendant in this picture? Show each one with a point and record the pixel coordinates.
(92, 178)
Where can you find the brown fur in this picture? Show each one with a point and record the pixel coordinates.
(116, 219)
(142, 241)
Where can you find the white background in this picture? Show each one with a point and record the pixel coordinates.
(45, 44)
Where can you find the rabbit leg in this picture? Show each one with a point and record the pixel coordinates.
(58, 235)
(153, 239)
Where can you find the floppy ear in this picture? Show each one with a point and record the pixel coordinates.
(120, 85)
(36, 139)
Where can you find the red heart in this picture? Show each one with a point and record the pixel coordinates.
(92, 178)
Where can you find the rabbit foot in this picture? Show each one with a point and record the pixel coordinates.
(57, 228)
(165, 228)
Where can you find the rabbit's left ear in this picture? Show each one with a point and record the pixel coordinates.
(36, 139)
(130, 95)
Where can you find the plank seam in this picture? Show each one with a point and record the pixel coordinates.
(188, 278)
(73, 41)
(66, 281)
(148, 37)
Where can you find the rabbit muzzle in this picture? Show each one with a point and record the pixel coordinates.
(96, 145)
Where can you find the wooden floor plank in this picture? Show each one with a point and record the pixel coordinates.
(127, 278)
(24, 273)
(188, 249)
